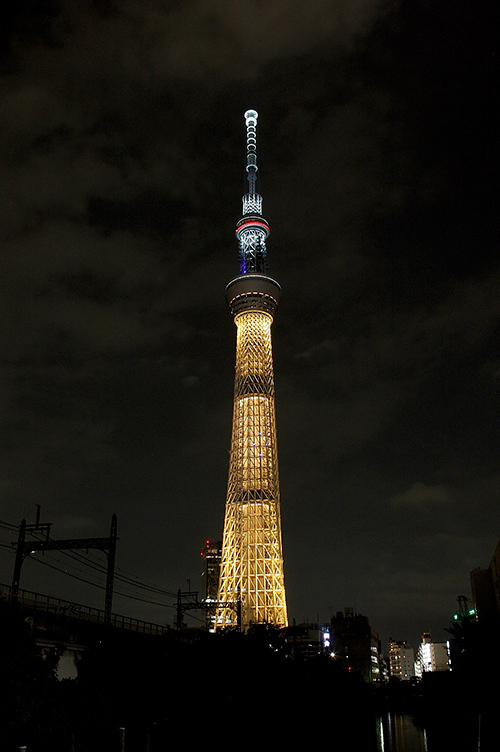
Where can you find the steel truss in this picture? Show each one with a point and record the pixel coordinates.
(252, 558)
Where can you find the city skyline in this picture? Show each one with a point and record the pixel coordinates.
(121, 161)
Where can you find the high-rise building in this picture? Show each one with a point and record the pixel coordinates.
(401, 660)
(251, 587)
(431, 656)
(356, 644)
(485, 585)
(211, 556)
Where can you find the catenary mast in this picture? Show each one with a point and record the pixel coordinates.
(251, 586)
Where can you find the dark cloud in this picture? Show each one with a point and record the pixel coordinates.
(122, 163)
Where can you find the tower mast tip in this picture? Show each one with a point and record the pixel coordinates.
(251, 115)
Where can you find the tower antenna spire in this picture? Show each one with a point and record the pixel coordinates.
(251, 121)
(252, 230)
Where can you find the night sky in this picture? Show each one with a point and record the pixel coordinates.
(123, 165)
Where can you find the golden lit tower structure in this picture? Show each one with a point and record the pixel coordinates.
(251, 585)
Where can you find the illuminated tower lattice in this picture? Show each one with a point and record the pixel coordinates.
(251, 586)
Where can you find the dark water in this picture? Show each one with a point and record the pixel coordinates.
(397, 733)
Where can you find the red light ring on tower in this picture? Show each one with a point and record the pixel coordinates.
(250, 224)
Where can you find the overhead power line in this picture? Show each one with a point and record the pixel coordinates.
(121, 576)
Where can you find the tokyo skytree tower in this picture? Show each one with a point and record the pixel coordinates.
(251, 586)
